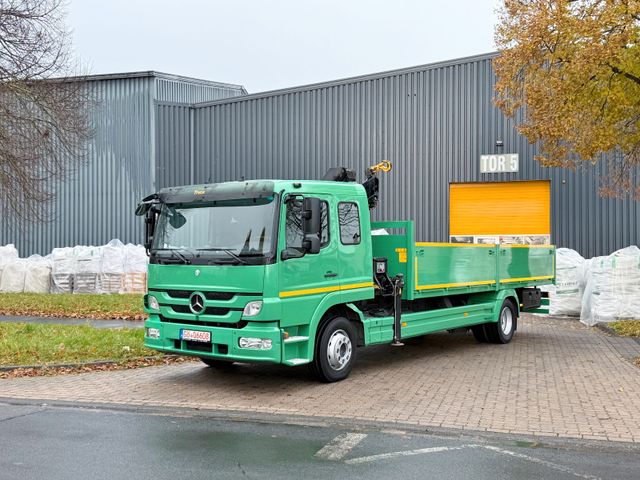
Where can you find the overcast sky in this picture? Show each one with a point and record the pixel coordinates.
(265, 45)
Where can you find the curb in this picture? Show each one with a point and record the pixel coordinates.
(608, 330)
(79, 364)
(603, 327)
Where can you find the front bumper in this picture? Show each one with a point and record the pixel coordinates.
(224, 341)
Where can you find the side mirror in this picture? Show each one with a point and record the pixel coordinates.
(176, 219)
(311, 225)
(291, 252)
(142, 208)
(146, 203)
(149, 228)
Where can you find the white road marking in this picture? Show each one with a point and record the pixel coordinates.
(546, 463)
(419, 451)
(337, 448)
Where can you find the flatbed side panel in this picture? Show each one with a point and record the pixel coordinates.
(399, 248)
(526, 265)
(454, 268)
(414, 324)
(421, 323)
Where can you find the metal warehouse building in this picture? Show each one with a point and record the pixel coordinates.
(436, 123)
(96, 204)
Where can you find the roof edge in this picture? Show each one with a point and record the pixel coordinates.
(348, 80)
(148, 74)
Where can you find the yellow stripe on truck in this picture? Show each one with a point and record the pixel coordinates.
(526, 279)
(449, 285)
(335, 288)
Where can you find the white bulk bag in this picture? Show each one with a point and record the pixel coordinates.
(13, 276)
(111, 278)
(38, 275)
(612, 287)
(88, 264)
(136, 265)
(565, 297)
(63, 270)
(8, 253)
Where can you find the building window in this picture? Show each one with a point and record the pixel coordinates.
(349, 220)
(293, 226)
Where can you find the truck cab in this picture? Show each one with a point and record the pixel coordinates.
(288, 272)
(246, 271)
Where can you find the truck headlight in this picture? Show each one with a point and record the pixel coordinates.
(255, 343)
(153, 303)
(252, 309)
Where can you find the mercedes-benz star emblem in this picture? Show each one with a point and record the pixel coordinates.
(196, 303)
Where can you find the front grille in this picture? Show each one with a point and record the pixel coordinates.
(208, 311)
(179, 293)
(219, 295)
(236, 325)
(211, 295)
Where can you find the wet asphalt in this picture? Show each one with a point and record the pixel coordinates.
(77, 442)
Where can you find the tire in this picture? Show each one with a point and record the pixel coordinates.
(335, 352)
(214, 363)
(503, 330)
(479, 333)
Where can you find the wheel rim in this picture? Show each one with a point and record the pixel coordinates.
(506, 320)
(339, 350)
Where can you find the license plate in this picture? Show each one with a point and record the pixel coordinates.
(195, 335)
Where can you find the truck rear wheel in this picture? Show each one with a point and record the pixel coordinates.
(502, 331)
(335, 351)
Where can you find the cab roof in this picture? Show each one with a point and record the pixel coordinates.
(253, 189)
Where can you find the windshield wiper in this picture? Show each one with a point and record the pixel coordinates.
(228, 251)
(176, 254)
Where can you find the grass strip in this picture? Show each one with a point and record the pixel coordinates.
(70, 305)
(626, 328)
(41, 344)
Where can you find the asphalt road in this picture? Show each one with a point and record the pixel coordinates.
(43, 442)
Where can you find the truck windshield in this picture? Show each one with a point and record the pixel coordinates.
(241, 231)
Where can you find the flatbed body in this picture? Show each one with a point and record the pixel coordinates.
(276, 303)
(481, 273)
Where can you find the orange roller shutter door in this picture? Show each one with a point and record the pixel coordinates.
(500, 208)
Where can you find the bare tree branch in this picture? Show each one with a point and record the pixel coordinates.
(44, 123)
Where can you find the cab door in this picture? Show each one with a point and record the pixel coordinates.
(304, 281)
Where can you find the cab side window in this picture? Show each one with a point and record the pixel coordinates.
(349, 220)
(293, 226)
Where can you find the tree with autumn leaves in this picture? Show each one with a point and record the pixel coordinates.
(573, 67)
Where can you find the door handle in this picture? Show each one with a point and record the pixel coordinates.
(330, 274)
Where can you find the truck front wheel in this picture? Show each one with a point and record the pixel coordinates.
(335, 351)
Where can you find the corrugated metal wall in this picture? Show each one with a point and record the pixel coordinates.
(174, 143)
(172, 88)
(97, 203)
(174, 126)
(433, 122)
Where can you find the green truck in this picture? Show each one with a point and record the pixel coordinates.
(294, 272)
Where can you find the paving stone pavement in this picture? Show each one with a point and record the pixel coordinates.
(557, 378)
